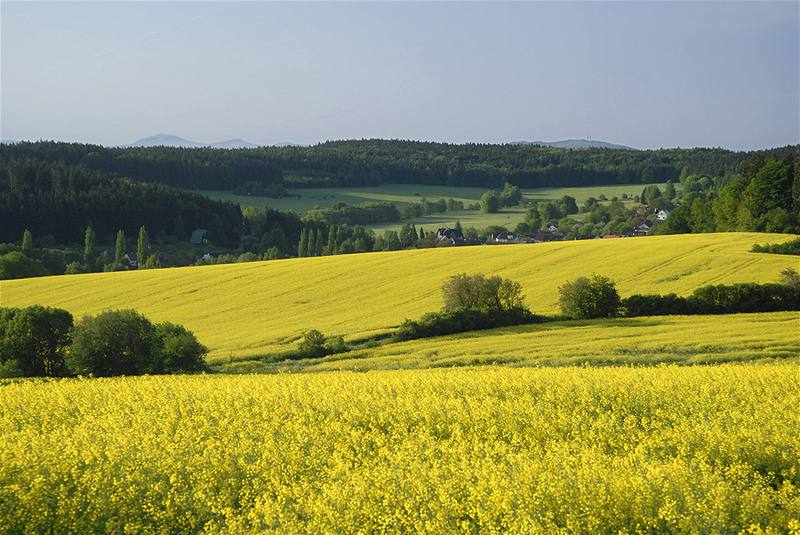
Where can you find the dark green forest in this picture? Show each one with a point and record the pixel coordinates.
(373, 162)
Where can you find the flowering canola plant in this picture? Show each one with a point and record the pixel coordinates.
(245, 310)
(712, 449)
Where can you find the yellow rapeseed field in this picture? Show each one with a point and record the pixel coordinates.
(622, 341)
(517, 450)
(255, 308)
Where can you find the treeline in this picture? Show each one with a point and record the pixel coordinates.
(41, 341)
(764, 197)
(375, 161)
(60, 200)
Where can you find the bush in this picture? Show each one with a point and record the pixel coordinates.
(587, 298)
(479, 292)
(115, 342)
(789, 247)
(179, 348)
(657, 305)
(457, 321)
(490, 202)
(748, 297)
(314, 345)
(720, 299)
(35, 339)
(16, 265)
(790, 277)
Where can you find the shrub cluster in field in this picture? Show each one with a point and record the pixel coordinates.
(789, 247)
(41, 341)
(658, 450)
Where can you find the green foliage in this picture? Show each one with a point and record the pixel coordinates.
(462, 320)
(142, 244)
(314, 344)
(587, 298)
(27, 243)
(511, 195)
(90, 249)
(479, 292)
(115, 342)
(35, 338)
(16, 265)
(790, 247)
(791, 278)
(490, 202)
(180, 350)
(119, 248)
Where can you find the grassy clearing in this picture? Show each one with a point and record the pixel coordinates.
(249, 309)
(489, 450)
(409, 193)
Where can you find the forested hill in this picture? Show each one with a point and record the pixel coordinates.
(372, 162)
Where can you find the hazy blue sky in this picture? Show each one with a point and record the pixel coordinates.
(643, 74)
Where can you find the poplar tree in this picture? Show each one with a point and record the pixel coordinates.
(27, 242)
(319, 248)
(301, 247)
(330, 246)
(119, 248)
(141, 247)
(312, 243)
(89, 248)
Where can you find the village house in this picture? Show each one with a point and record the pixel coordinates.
(454, 236)
(641, 229)
(662, 215)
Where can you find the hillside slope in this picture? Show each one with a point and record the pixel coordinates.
(247, 309)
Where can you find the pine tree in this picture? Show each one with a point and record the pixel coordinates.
(141, 247)
(301, 248)
(312, 243)
(458, 228)
(119, 248)
(335, 243)
(421, 233)
(318, 250)
(89, 249)
(27, 243)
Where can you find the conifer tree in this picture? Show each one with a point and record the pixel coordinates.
(27, 242)
(141, 247)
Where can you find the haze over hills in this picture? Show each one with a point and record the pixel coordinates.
(575, 144)
(171, 140)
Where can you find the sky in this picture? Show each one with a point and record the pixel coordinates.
(644, 74)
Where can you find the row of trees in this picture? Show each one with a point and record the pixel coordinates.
(765, 197)
(58, 200)
(41, 341)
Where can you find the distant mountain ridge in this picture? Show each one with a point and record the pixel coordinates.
(171, 140)
(575, 144)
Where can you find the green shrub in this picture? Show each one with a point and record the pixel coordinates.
(115, 342)
(16, 265)
(35, 339)
(457, 321)
(179, 349)
(587, 298)
(479, 292)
